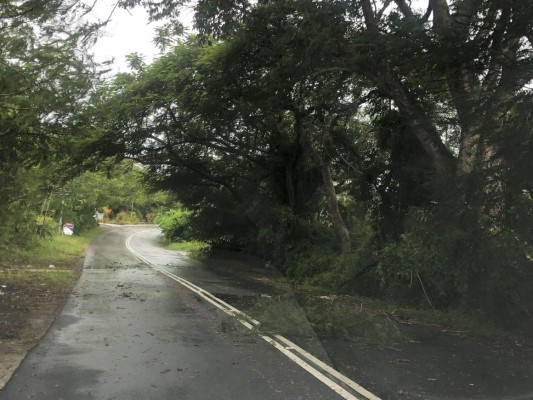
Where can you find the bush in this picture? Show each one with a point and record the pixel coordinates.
(175, 225)
(419, 267)
(126, 218)
(321, 265)
(46, 226)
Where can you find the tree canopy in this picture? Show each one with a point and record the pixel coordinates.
(396, 135)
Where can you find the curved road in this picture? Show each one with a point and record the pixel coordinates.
(129, 332)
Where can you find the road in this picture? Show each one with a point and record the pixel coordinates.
(129, 331)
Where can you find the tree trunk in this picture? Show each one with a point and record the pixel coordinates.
(291, 196)
(333, 210)
(421, 124)
(331, 196)
(468, 152)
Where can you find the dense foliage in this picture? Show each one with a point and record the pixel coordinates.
(122, 195)
(44, 76)
(46, 79)
(365, 146)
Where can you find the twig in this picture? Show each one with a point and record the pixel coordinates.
(424, 290)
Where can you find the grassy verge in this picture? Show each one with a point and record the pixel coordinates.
(195, 249)
(370, 322)
(57, 281)
(61, 251)
(30, 288)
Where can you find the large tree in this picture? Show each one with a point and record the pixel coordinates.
(44, 74)
(409, 113)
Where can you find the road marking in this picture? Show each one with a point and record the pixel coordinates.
(319, 370)
(358, 388)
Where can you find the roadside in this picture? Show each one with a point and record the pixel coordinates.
(34, 285)
(396, 353)
(401, 358)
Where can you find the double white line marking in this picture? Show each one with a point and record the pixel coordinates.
(340, 384)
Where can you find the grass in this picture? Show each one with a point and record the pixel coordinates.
(195, 249)
(55, 280)
(59, 250)
(30, 287)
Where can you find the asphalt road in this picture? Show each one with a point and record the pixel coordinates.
(130, 332)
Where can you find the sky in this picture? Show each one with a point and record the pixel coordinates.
(127, 32)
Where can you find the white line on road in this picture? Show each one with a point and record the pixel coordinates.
(284, 345)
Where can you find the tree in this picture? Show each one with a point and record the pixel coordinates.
(44, 74)
(118, 190)
(417, 116)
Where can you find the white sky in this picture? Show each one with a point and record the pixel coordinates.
(127, 32)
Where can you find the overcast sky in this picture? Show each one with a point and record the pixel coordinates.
(127, 32)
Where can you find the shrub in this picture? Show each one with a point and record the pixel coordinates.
(419, 267)
(126, 217)
(322, 266)
(175, 225)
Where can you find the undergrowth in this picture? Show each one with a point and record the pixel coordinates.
(327, 317)
(195, 249)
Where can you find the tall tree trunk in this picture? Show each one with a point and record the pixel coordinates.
(331, 196)
(333, 210)
(291, 196)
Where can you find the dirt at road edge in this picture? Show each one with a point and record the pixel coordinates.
(27, 311)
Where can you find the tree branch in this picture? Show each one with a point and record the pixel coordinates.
(426, 16)
(368, 14)
(405, 9)
(441, 17)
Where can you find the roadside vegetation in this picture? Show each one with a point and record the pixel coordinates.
(300, 132)
(372, 322)
(178, 234)
(58, 250)
(36, 280)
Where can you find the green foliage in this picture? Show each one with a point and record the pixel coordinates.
(422, 259)
(281, 314)
(175, 225)
(45, 75)
(62, 251)
(179, 233)
(46, 226)
(322, 266)
(331, 317)
(430, 155)
(118, 189)
(328, 317)
(126, 218)
(192, 246)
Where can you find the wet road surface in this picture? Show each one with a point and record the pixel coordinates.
(128, 332)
